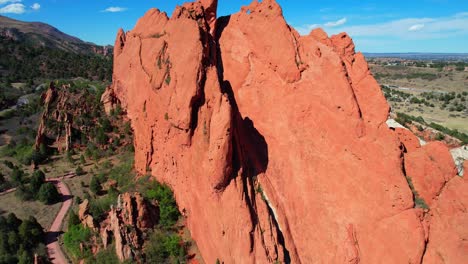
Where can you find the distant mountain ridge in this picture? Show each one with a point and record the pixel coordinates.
(34, 50)
(44, 35)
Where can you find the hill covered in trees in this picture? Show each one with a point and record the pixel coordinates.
(33, 52)
(23, 62)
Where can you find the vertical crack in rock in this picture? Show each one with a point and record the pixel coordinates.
(281, 240)
(403, 170)
(298, 58)
(207, 42)
(141, 59)
(354, 245)
(426, 242)
(149, 155)
(197, 101)
(351, 86)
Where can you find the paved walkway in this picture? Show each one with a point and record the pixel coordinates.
(7, 191)
(54, 251)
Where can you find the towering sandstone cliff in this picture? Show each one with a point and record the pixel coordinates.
(276, 146)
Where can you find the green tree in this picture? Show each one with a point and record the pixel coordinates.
(106, 124)
(13, 222)
(48, 194)
(106, 257)
(17, 175)
(74, 237)
(95, 185)
(31, 233)
(79, 171)
(37, 179)
(169, 213)
(73, 219)
(69, 157)
(163, 246)
(37, 157)
(82, 159)
(13, 241)
(101, 137)
(24, 193)
(127, 128)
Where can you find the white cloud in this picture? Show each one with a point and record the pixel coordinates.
(36, 6)
(408, 28)
(9, 1)
(416, 27)
(13, 9)
(114, 9)
(462, 14)
(336, 23)
(305, 29)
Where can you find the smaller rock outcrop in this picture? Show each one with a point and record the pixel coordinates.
(408, 139)
(109, 100)
(83, 214)
(66, 115)
(127, 224)
(430, 168)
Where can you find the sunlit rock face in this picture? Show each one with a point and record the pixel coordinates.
(276, 145)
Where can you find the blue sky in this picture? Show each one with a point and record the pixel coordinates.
(376, 26)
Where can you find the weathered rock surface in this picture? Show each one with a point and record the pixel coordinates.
(408, 139)
(84, 216)
(64, 112)
(460, 155)
(430, 168)
(448, 235)
(109, 100)
(430, 134)
(127, 224)
(275, 144)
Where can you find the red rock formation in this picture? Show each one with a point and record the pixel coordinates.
(448, 231)
(109, 101)
(429, 134)
(409, 140)
(132, 217)
(430, 168)
(62, 109)
(55, 108)
(46, 99)
(85, 218)
(275, 144)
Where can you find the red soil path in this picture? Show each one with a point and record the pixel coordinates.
(54, 251)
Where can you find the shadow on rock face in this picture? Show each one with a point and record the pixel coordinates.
(250, 146)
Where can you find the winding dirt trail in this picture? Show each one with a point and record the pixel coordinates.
(54, 251)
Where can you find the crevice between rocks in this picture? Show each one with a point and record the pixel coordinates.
(197, 102)
(141, 59)
(426, 242)
(250, 154)
(279, 231)
(403, 169)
